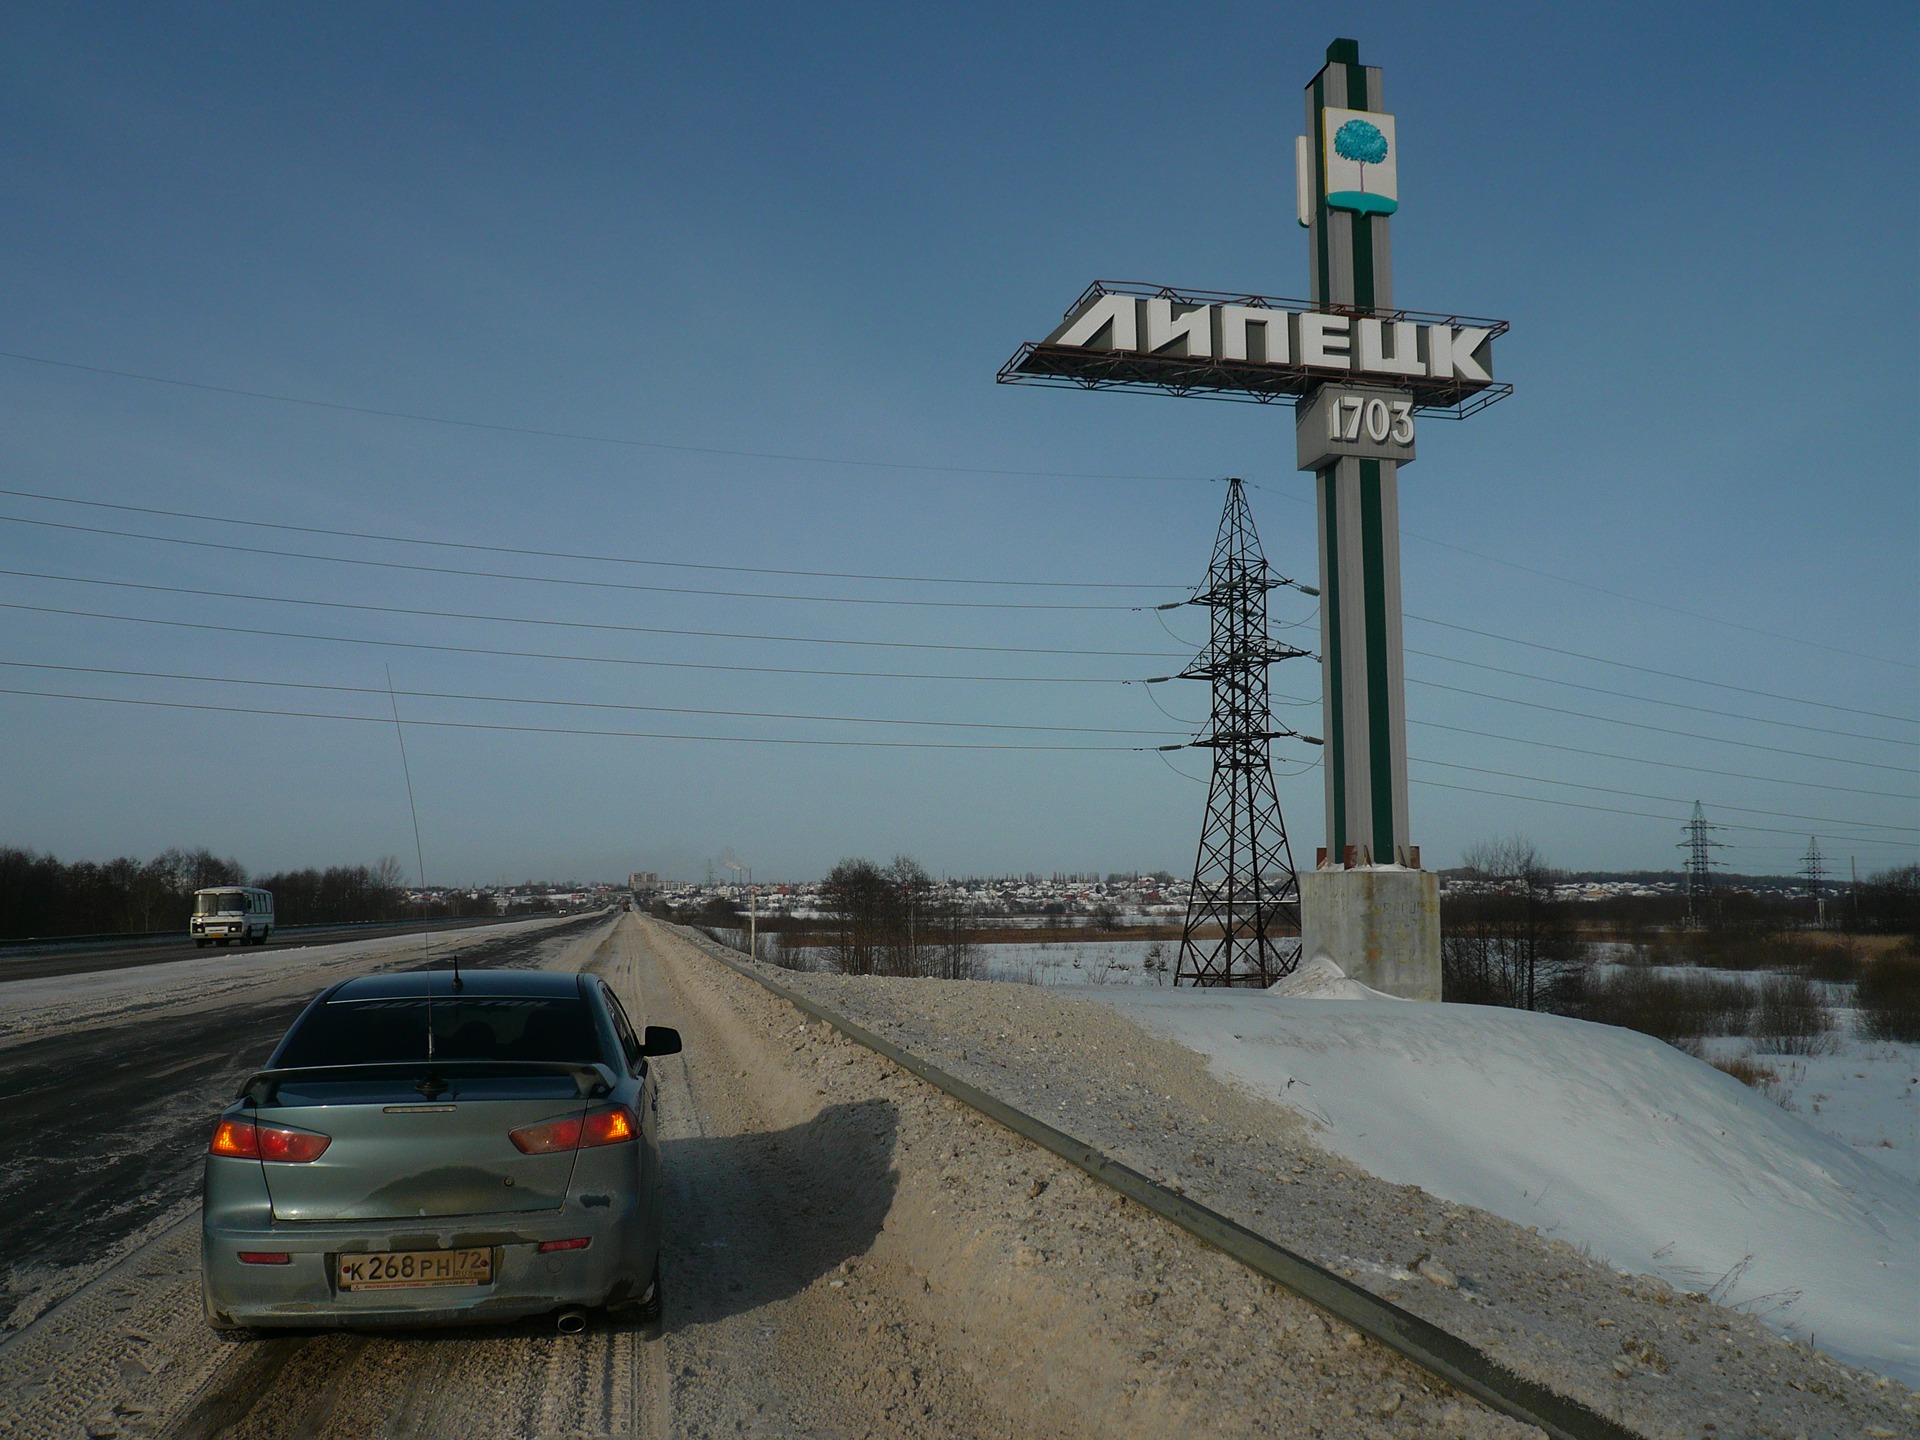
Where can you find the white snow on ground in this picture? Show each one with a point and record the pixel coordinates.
(1610, 1140)
(1865, 1094)
(1079, 962)
(1321, 979)
(1862, 1091)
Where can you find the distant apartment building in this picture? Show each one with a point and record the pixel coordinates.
(645, 884)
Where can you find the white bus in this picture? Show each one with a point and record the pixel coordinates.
(225, 913)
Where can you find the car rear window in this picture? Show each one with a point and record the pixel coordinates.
(511, 1027)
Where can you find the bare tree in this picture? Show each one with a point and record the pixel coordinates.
(1506, 938)
(948, 949)
(908, 888)
(856, 898)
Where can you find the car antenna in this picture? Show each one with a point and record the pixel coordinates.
(419, 854)
(458, 983)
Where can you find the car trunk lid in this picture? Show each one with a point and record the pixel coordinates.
(420, 1146)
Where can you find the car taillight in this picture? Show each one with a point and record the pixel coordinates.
(237, 1138)
(576, 1132)
(609, 1127)
(547, 1247)
(247, 1140)
(265, 1257)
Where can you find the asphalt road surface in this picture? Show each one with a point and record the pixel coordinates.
(105, 1126)
(88, 958)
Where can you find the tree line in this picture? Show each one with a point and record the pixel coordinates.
(41, 895)
(874, 920)
(1509, 938)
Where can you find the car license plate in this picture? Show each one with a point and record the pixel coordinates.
(403, 1269)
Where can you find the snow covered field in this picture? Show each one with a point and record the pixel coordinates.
(1613, 1141)
(1080, 962)
(1863, 1092)
(1866, 1093)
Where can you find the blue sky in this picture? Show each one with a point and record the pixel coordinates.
(787, 231)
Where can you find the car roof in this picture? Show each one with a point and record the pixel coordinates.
(410, 984)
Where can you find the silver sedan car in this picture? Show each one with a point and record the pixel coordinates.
(432, 1148)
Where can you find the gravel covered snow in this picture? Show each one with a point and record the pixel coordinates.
(1653, 1161)
(1663, 1358)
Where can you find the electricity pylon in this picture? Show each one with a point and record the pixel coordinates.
(1813, 868)
(1699, 846)
(1243, 878)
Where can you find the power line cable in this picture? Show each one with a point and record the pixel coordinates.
(852, 575)
(1620, 594)
(578, 704)
(561, 657)
(1641, 760)
(384, 720)
(581, 624)
(882, 600)
(1656, 729)
(1664, 674)
(1018, 649)
(589, 438)
(1643, 815)
(497, 652)
(887, 644)
(511, 550)
(1645, 795)
(1826, 645)
(870, 464)
(1178, 771)
(1655, 700)
(1005, 649)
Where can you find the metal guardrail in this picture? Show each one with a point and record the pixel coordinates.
(1437, 1351)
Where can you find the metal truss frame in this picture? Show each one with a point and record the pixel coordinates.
(1244, 883)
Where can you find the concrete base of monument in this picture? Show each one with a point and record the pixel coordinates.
(1379, 923)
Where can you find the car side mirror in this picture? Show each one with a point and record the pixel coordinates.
(660, 1040)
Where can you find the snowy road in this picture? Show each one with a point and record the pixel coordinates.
(850, 1253)
(106, 1121)
(39, 961)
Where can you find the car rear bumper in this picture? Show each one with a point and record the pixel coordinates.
(614, 1267)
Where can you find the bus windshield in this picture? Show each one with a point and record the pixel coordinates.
(223, 902)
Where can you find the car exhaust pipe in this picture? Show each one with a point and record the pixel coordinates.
(570, 1321)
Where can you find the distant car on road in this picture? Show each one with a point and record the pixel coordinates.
(427, 1148)
(225, 913)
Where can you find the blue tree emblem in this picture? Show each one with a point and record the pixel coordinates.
(1361, 142)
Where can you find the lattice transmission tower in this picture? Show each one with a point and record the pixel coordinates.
(1699, 846)
(1244, 885)
(1813, 868)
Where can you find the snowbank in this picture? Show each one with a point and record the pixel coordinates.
(1607, 1139)
(1321, 979)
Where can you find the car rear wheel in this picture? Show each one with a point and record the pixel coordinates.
(647, 1307)
(224, 1329)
